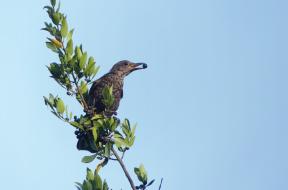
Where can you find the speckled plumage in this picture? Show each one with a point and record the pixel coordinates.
(115, 77)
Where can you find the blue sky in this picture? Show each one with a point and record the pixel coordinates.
(211, 108)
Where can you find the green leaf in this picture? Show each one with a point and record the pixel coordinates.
(131, 141)
(125, 130)
(90, 175)
(51, 46)
(108, 97)
(70, 34)
(113, 124)
(90, 67)
(87, 185)
(91, 61)
(64, 28)
(56, 42)
(79, 185)
(46, 100)
(69, 47)
(66, 112)
(51, 99)
(88, 159)
(119, 140)
(78, 52)
(110, 90)
(133, 130)
(97, 116)
(95, 71)
(83, 87)
(56, 17)
(94, 133)
(98, 182)
(119, 143)
(60, 106)
(59, 5)
(76, 124)
(53, 3)
(142, 169)
(105, 186)
(126, 123)
(107, 150)
(87, 123)
(141, 174)
(49, 10)
(83, 60)
(55, 70)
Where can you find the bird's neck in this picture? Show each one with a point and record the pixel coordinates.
(117, 75)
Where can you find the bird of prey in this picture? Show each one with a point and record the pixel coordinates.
(115, 78)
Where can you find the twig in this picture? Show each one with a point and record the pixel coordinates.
(123, 154)
(101, 164)
(83, 102)
(124, 168)
(113, 159)
(160, 184)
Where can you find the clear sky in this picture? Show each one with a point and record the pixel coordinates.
(211, 108)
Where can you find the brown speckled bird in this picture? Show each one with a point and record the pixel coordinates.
(115, 77)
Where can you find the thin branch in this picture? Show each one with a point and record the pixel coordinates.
(83, 102)
(160, 184)
(113, 159)
(124, 168)
(123, 154)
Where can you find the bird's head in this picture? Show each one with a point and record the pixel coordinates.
(124, 68)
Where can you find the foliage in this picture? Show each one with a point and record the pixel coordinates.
(92, 182)
(142, 177)
(96, 133)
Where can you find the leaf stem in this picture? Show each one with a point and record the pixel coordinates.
(124, 168)
(83, 102)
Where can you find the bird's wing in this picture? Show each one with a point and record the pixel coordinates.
(92, 92)
(95, 99)
(95, 92)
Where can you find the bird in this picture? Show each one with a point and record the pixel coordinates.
(115, 78)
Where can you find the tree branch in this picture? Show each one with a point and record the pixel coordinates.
(83, 102)
(124, 168)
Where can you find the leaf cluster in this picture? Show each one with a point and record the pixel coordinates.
(142, 177)
(58, 108)
(92, 182)
(75, 68)
(104, 134)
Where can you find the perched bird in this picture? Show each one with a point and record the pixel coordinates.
(115, 78)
